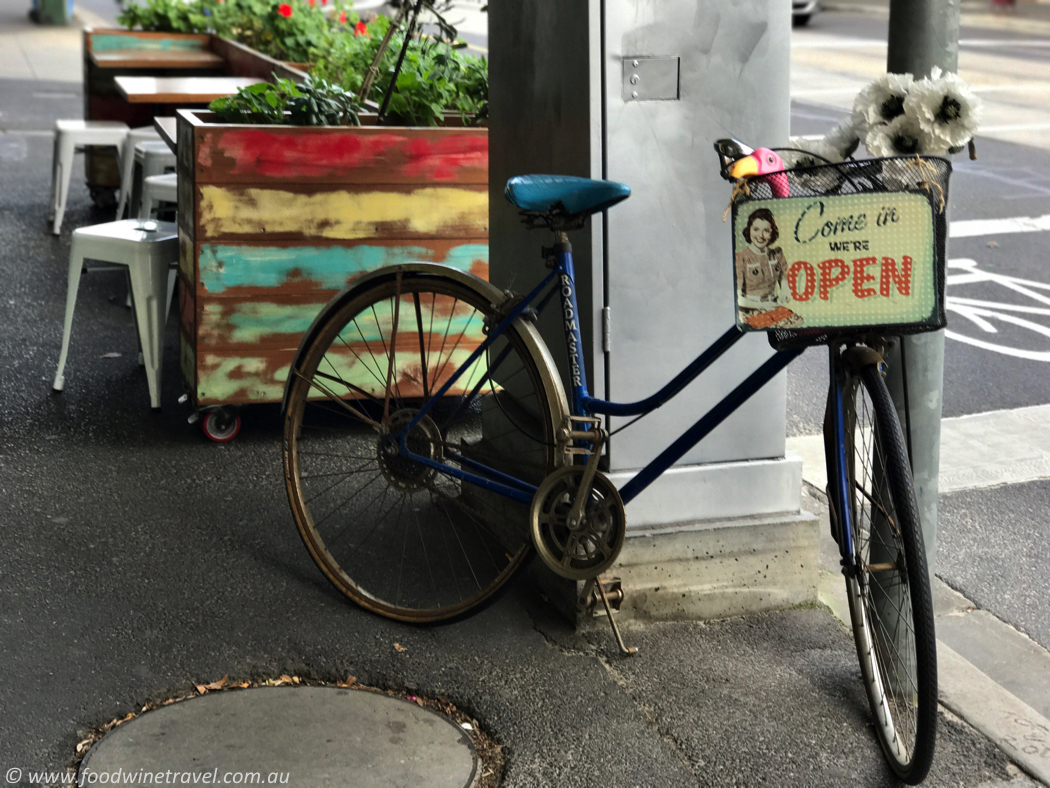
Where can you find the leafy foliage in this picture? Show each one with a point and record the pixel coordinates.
(282, 29)
(315, 102)
(436, 76)
(165, 16)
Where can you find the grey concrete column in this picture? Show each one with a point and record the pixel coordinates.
(922, 34)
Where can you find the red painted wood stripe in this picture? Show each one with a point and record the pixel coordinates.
(443, 156)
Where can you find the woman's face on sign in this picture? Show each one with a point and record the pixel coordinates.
(761, 232)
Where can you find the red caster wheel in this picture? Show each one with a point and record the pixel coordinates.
(221, 425)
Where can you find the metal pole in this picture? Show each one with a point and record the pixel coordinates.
(922, 34)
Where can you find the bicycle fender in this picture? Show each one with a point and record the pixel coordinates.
(551, 380)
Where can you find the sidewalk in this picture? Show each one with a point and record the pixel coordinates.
(141, 560)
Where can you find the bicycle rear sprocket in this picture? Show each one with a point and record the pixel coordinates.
(592, 547)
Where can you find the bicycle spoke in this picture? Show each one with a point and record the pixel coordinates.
(398, 536)
(339, 401)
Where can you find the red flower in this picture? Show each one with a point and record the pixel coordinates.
(342, 17)
(284, 10)
(312, 2)
(360, 29)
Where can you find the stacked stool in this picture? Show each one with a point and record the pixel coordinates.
(127, 164)
(151, 158)
(71, 136)
(149, 251)
(157, 189)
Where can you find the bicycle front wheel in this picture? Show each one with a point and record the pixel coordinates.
(889, 597)
(403, 538)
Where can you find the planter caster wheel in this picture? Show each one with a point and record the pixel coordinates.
(221, 425)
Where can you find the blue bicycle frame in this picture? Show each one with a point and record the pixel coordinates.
(583, 404)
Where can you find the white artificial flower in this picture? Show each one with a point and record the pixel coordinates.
(844, 137)
(833, 147)
(902, 136)
(809, 153)
(881, 101)
(945, 108)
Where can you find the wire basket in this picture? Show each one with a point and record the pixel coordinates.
(852, 248)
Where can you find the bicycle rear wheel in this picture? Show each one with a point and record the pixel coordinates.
(401, 538)
(889, 598)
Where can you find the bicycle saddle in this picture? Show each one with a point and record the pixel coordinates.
(566, 194)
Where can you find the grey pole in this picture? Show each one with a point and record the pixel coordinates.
(922, 34)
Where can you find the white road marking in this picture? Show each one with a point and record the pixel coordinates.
(981, 313)
(1018, 224)
(978, 451)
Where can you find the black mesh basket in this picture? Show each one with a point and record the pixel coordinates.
(924, 176)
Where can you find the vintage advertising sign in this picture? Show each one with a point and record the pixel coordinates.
(856, 260)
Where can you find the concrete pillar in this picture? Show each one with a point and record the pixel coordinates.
(637, 91)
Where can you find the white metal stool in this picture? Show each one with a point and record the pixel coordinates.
(149, 250)
(152, 157)
(71, 136)
(157, 189)
(127, 163)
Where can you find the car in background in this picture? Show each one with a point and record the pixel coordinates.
(802, 11)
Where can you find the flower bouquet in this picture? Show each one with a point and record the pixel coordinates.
(898, 115)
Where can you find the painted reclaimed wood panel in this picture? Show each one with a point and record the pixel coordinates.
(157, 59)
(251, 270)
(277, 221)
(109, 40)
(359, 363)
(255, 296)
(344, 214)
(187, 309)
(377, 155)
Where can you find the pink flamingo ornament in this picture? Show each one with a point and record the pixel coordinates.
(763, 165)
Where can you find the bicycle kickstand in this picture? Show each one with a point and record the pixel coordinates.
(593, 591)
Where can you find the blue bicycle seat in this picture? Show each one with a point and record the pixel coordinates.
(543, 193)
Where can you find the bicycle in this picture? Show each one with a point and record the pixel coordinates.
(426, 424)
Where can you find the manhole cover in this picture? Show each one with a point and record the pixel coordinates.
(299, 736)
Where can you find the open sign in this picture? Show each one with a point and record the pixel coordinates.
(849, 261)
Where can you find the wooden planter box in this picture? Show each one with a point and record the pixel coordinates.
(109, 53)
(275, 220)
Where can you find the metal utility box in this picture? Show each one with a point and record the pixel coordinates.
(637, 91)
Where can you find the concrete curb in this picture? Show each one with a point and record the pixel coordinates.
(1015, 727)
(1021, 732)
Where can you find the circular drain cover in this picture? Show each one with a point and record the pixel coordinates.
(298, 736)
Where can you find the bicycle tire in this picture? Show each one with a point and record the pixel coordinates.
(399, 538)
(889, 600)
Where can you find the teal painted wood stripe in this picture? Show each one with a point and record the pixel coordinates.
(253, 322)
(104, 43)
(224, 267)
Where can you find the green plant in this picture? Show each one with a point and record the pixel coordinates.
(436, 75)
(283, 29)
(166, 16)
(314, 102)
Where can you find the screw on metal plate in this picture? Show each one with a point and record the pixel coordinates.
(651, 78)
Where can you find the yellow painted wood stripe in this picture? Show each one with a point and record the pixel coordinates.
(341, 214)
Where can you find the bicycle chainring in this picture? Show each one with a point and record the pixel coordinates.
(594, 545)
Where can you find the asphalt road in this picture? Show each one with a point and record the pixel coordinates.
(992, 544)
(140, 559)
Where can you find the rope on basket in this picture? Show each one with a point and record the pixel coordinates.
(927, 170)
(740, 187)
